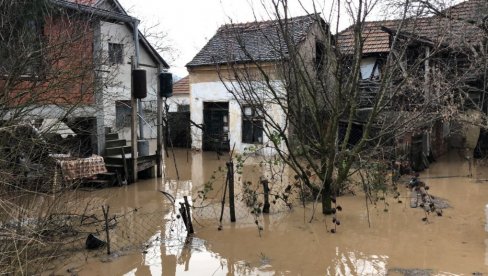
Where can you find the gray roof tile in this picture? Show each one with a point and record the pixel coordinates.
(259, 41)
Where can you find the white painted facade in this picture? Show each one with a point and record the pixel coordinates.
(177, 100)
(216, 91)
(117, 78)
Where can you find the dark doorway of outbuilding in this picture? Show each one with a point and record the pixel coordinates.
(216, 126)
(420, 153)
(355, 135)
(481, 150)
(177, 132)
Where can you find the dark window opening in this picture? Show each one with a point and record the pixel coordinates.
(319, 56)
(116, 53)
(183, 108)
(20, 52)
(122, 114)
(252, 125)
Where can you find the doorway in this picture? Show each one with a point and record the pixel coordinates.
(216, 126)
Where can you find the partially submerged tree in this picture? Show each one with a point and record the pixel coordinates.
(331, 103)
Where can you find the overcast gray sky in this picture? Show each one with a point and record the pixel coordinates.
(191, 23)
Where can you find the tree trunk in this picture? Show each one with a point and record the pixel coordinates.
(326, 197)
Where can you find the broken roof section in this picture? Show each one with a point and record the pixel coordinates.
(455, 30)
(254, 41)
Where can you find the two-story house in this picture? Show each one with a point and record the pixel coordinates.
(85, 50)
(436, 54)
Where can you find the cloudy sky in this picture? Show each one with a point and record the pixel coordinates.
(191, 23)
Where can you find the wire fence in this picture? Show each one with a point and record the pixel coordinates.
(87, 228)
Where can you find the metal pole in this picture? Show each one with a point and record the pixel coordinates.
(133, 127)
(159, 145)
(139, 101)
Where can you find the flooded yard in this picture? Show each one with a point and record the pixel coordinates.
(398, 242)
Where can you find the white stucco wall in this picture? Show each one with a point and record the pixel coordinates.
(216, 92)
(176, 100)
(367, 66)
(117, 77)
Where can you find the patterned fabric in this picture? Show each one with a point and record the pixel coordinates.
(82, 167)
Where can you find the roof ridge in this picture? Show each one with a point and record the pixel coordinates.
(259, 38)
(256, 22)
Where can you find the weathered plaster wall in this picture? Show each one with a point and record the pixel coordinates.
(176, 100)
(117, 77)
(205, 86)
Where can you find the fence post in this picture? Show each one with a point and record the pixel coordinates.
(188, 215)
(230, 176)
(105, 216)
(266, 206)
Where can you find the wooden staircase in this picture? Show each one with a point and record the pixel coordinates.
(118, 160)
(116, 174)
(116, 154)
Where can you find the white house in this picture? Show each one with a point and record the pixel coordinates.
(114, 49)
(220, 120)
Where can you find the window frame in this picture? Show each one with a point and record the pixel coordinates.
(254, 123)
(115, 55)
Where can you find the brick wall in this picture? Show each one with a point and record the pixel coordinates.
(66, 76)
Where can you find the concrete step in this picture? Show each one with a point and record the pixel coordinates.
(115, 143)
(117, 150)
(111, 136)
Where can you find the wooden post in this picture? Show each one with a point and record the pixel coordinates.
(133, 127)
(188, 215)
(266, 206)
(183, 216)
(230, 177)
(124, 163)
(107, 231)
(223, 200)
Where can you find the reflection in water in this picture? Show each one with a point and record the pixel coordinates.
(350, 263)
(152, 256)
(288, 245)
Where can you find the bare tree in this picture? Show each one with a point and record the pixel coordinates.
(338, 116)
(48, 70)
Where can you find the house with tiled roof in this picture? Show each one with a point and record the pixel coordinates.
(177, 124)
(219, 120)
(181, 95)
(440, 41)
(100, 37)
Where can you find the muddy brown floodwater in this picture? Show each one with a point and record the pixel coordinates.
(397, 243)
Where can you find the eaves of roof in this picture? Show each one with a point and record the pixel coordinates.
(120, 16)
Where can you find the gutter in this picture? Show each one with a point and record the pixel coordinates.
(95, 11)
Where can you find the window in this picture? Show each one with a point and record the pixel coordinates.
(116, 53)
(123, 113)
(183, 108)
(21, 51)
(319, 56)
(252, 125)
